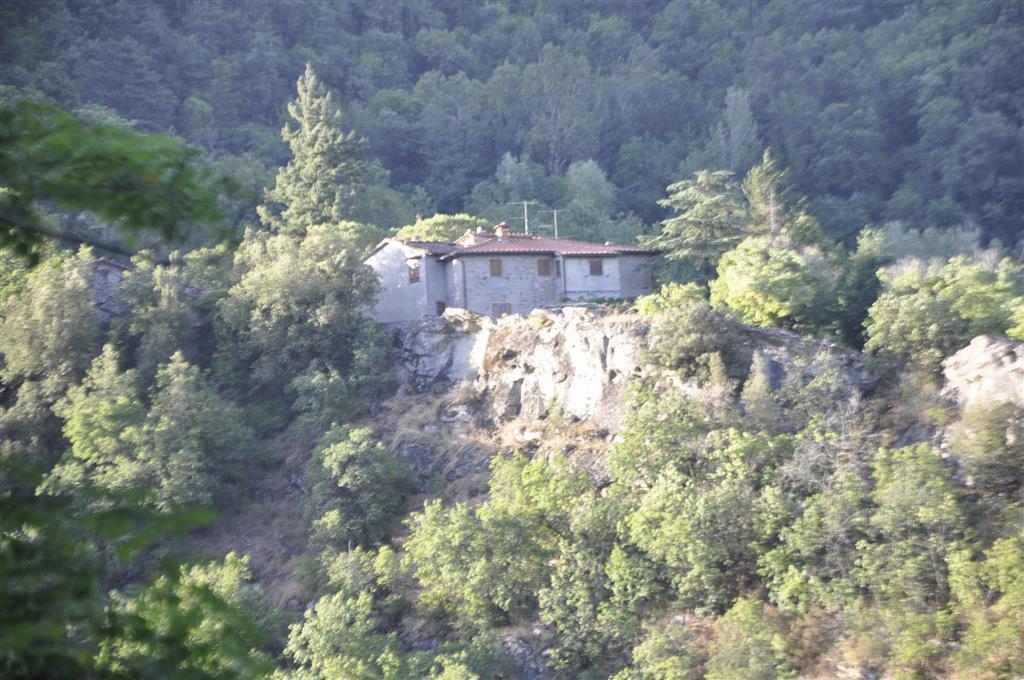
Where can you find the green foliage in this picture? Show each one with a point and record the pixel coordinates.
(916, 523)
(443, 92)
(770, 283)
(669, 651)
(704, 535)
(661, 431)
(339, 638)
(817, 550)
(163, 316)
(485, 566)
(49, 332)
(988, 440)
(294, 310)
(748, 644)
(139, 182)
(197, 624)
(441, 227)
(103, 419)
(358, 489)
(990, 645)
(710, 219)
(317, 186)
(685, 336)
(925, 314)
(774, 211)
(669, 297)
(52, 620)
(195, 444)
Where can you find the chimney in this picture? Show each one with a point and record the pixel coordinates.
(501, 230)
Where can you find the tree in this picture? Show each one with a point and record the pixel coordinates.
(770, 283)
(765, 191)
(162, 316)
(141, 183)
(924, 314)
(319, 183)
(704, 534)
(195, 444)
(441, 227)
(710, 219)
(198, 622)
(748, 644)
(294, 309)
(590, 205)
(49, 333)
(734, 142)
(485, 566)
(102, 419)
(359, 488)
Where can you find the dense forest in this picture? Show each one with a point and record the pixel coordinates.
(882, 111)
(203, 469)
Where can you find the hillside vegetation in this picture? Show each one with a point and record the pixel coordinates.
(815, 463)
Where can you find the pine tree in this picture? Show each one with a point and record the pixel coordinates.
(710, 219)
(319, 183)
(766, 193)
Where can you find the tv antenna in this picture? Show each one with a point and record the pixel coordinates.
(554, 214)
(526, 213)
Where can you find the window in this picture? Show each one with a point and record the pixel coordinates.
(596, 267)
(496, 267)
(414, 270)
(558, 267)
(499, 308)
(441, 306)
(543, 267)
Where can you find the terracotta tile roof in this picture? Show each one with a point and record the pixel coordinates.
(520, 244)
(525, 244)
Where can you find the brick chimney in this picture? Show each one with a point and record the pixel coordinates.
(501, 230)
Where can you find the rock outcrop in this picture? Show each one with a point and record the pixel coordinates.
(990, 369)
(577, 362)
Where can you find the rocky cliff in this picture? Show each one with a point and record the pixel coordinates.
(579, 361)
(987, 369)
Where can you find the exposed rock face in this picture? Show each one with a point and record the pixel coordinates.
(989, 369)
(577, 361)
(573, 360)
(444, 350)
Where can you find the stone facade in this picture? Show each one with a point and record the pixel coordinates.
(519, 288)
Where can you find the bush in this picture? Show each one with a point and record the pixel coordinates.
(359, 488)
(686, 335)
(927, 313)
(770, 283)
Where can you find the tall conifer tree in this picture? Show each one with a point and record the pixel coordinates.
(319, 183)
(711, 217)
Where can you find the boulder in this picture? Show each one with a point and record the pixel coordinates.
(990, 368)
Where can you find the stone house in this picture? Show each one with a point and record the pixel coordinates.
(502, 273)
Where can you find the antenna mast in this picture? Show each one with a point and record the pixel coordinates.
(555, 217)
(526, 213)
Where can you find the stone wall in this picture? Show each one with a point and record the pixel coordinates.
(635, 275)
(519, 284)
